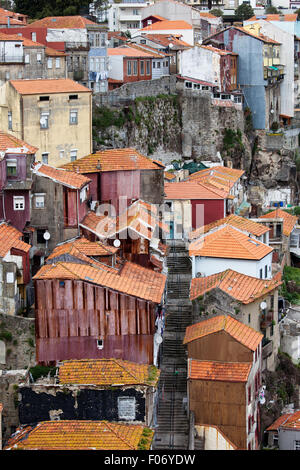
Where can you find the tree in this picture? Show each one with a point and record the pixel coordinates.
(244, 12)
(270, 10)
(298, 13)
(37, 9)
(216, 12)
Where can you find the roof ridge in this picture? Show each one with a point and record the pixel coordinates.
(117, 361)
(109, 425)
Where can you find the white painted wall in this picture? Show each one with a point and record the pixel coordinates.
(213, 438)
(158, 72)
(66, 35)
(201, 64)
(115, 67)
(208, 266)
(11, 50)
(187, 34)
(286, 39)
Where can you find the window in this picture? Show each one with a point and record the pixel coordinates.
(83, 194)
(129, 67)
(49, 63)
(19, 203)
(33, 37)
(158, 65)
(7, 75)
(126, 408)
(10, 278)
(39, 57)
(249, 318)
(103, 38)
(266, 271)
(40, 236)
(100, 343)
(73, 155)
(142, 67)
(249, 394)
(153, 65)
(143, 41)
(61, 283)
(296, 445)
(73, 97)
(45, 158)
(44, 98)
(57, 62)
(261, 273)
(11, 167)
(44, 120)
(135, 67)
(148, 67)
(73, 116)
(39, 201)
(27, 59)
(61, 153)
(9, 116)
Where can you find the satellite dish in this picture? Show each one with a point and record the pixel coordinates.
(171, 45)
(117, 243)
(46, 235)
(263, 305)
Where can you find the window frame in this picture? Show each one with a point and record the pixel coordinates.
(17, 200)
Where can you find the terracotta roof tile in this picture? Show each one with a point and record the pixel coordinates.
(287, 420)
(228, 242)
(107, 372)
(275, 17)
(131, 51)
(192, 190)
(168, 25)
(112, 160)
(289, 221)
(78, 435)
(219, 176)
(220, 371)
(8, 141)
(169, 176)
(62, 22)
(245, 289)
(216, 50)
(10, 238)
(166, 39)
(50, 85)
(82, 249)
(71, 179)
(140, 218)
(233, 220)
(131, 279)
(240, 332)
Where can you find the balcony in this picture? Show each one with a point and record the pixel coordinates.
(266, 320)
(77, 46)
(273, 74)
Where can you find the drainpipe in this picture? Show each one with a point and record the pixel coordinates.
(3, 205)
(78, 212)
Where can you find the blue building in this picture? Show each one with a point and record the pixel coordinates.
(97, 57)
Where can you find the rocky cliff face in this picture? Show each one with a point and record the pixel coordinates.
(189, 125)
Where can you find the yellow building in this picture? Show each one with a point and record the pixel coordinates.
(54, 115)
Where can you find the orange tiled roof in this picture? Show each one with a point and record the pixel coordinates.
(220, 371)
(13, 21)
(240, 332)
(78, 435)
(287, 420)
(228, 242)
(139, 217)
(217, 51)
(192, 190)
(71, 179)
(112, 160)
(289, 221)
(236, 221)
(132, 51)
(131, 279)
(10, 238)
(82, 246)
(275, 17)
(219, 176)
(169, 176)
(207, 15)
(245, 289)
(8, 141)
(106, 372)
(50, 85)
(62, 22)
(166, 39)
(168, 25)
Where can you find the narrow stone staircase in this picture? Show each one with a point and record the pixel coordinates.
(172, 418)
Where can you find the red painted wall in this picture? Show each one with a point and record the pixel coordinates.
(41, 34)
(17, 218)
(145, 21)
(115, 184)
(213, 210)
(138, 77)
